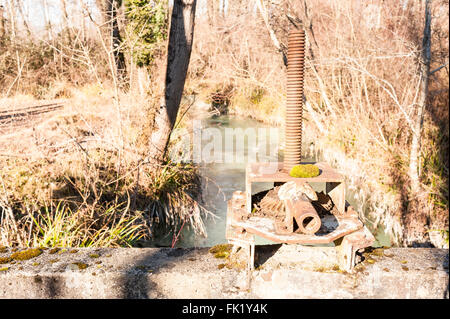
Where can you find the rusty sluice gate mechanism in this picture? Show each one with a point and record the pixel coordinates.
(294, 105)
(292, 212)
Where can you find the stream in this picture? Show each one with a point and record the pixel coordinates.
(220, 180)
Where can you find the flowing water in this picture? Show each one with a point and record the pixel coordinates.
(220, 180)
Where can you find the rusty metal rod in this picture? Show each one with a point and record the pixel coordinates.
(294, 105)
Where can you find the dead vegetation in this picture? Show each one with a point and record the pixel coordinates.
(75, 177)
(88, 160)
(79, 174)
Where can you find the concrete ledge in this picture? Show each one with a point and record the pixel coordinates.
(285, 271)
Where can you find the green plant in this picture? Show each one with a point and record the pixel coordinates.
(304, 170)
(147, 27)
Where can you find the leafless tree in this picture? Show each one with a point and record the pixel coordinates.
(419, 108)
(179, 51)
(111, 32)
(2, 21)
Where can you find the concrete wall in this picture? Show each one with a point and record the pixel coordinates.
(284, 271)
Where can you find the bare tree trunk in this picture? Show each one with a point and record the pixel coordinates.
(213, 10)
(210, 11)
(116, 40)
(181, 36)
(109, 13)
(419, 108)
(223, 9)
(415, 218)
(12, 18)
(25, 22)
(66, 20)
(48, 24)
(264, 14)
(2, 21)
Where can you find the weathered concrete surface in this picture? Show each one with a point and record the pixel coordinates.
(287, 271)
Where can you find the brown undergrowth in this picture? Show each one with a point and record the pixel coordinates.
(79, 176)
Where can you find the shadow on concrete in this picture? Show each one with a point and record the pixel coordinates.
(51, 286)
(445, 266)
(264, 253)
(136, 283)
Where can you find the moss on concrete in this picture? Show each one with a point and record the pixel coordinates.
(5, 260)
(26, 254)
(221, 251)
(334, 268)
(220, 248)
(53, 251)
(81, 265)
(304, 170)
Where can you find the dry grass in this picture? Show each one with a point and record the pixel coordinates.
(78, 176)
(361, 85)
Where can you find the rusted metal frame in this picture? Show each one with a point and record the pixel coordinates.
(350, 236)
(334, 182)
(351, 244)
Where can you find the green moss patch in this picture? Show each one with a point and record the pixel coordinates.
(81, 265)
(304, 170)
(334, 268)
(221, 250)
(26, 254)
(5, 260)
(222, 255)
(53, 251)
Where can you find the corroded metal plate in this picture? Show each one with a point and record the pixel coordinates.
(265, 227)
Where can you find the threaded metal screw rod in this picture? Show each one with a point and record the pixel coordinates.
(294, 105)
